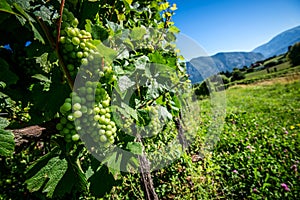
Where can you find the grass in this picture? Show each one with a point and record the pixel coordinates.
(280, 57)
(256, 74)
(260, 76)
(259, 148)
(256, 156)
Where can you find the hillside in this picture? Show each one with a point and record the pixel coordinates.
(203, 67)
(280, 43)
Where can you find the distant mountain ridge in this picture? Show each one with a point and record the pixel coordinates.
(280, 43)
(205, 66)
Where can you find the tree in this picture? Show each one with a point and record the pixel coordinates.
(294, 54)
(237, 75)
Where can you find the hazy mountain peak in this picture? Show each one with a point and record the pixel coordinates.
(280, 43)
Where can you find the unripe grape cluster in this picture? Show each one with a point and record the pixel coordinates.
(155, 125)
(89, 108)
(76, 45)
(79, 52)
(127, 124)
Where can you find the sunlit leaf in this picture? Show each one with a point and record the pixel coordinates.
(7, 143)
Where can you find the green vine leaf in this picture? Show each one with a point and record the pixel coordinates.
(48, 14)
(135, 148)
(98, 31)
(138, 33)
(6, 75)
(50, 174)
(73, 180)
(130, 111)
(128, 1)
(164, 113)
(30, 20)
(107, 53)
(41, 78)
(114, 161)
(7, 143)
(3, 123)
(5, 7)
(98, 187)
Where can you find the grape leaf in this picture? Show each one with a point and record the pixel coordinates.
(174, 29)
(141, 62)
(6, 75)
(7, 142)
(138, 33)
(98, 31)
(54, 171)
(42, 78)
(73, 180)
(66, 183)
(5, 7)
(98, 187)
(25, 4)
(30, 20)
(114, 162)
(164, 113)
(130, 111)
(59, 169)
(47, 13)
(124, 83)
(135, 148)
(106, 52)
(48, 110)
(156, 57)
(3, 123)
(128, 1)
(41, 162)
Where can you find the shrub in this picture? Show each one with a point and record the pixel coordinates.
(294, 54)
(237, 75)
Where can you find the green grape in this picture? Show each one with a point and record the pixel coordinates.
(70, 67)
(75, 41)
(59, 126)
(103, 138)
(77, 114)
(77, 106)
(75, 137)
(79, 54)
(75, 22)
(71, 117)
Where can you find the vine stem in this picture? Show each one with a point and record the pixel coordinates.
(146, 178)
(53, 45)
(62, 4)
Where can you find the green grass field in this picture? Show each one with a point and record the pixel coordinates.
(283, 70)
(279, 67)
(259, 149)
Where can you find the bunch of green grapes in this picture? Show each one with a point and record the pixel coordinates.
(155, 124)
(89, 108)
(66, 126)
(76, 45)
(79, 52)
(127, 125)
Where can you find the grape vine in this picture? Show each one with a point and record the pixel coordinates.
(121, 57)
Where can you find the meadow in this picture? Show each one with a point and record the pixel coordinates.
(256, 156)
(258, 152)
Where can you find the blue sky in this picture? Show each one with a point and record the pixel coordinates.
(235, 25)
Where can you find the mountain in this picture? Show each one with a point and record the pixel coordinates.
(205, 66)
(280, 43)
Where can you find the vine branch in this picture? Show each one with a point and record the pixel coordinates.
(53, 45)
